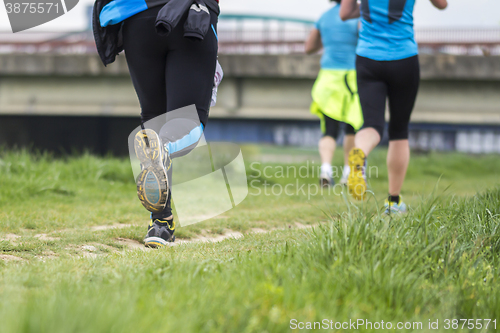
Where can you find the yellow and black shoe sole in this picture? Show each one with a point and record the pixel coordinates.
(356, 182)
(152, 182)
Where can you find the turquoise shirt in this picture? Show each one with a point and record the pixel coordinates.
(339, 40)
(387, 30)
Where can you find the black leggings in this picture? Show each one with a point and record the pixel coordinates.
(170, 72)
(397, 80)
(332, 127)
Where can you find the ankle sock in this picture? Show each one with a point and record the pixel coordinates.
(326, 168)
(394, 198)
(346, 171)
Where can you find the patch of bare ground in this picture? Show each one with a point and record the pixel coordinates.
(47, 255)
(95, 249)
(45, 237)
(131, 244)
(91, 250)
(9, 257)
(10, 237)
(14, 238)
(205, 237)
(236, 234)
(111, 226)
(303, 226)
(258, 231)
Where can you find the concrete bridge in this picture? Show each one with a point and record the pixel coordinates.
(457, 92)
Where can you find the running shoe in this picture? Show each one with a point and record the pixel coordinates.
(152, 182)
(392, 207)
(356, 181)
(160, 233)
(326, 180)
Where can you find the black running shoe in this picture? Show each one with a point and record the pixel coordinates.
(160, 232)
(326, 181)
(152, 182)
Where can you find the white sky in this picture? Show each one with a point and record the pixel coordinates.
(460, 13)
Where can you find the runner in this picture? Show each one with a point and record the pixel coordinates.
(387, 68)
(171, 51)
(334, 93)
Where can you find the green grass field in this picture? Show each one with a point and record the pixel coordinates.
(71, 260)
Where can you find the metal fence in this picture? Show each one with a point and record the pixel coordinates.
(469, 41)
(48, 42)
(280, 40)
(460, 41)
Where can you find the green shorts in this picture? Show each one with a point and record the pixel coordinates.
(335, 94)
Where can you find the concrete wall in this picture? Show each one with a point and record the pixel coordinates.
(455, 89)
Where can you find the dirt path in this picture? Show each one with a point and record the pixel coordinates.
(95, 249)
(131, 244)
(8, 257)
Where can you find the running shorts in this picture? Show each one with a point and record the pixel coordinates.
(332, 128)
(395, 80)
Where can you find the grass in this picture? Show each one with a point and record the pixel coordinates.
(439, 261)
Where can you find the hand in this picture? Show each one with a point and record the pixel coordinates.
(313, 43)
(350, 9)
(440, 4)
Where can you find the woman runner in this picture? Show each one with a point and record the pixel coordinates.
(334, 94)
(171, 50)
(387, 68)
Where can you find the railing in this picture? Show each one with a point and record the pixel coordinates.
(262, 41)
(470, 41)
(473, 41)
(48, 42)
(458, 35)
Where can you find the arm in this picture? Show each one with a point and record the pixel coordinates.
(313, 43)
(349, 9)
(440, 4)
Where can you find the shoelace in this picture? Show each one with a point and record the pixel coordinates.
(168, 159)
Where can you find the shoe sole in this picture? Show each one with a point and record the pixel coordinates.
(356, 182)
(152, 182)
(393, 212)
(390, 211)
(154, 242)
(157, 242)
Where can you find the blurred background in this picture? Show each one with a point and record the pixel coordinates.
(56, 95)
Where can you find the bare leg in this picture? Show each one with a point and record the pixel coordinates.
(398, 158)
(326, 149)
(367, 139)
(348, 145)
